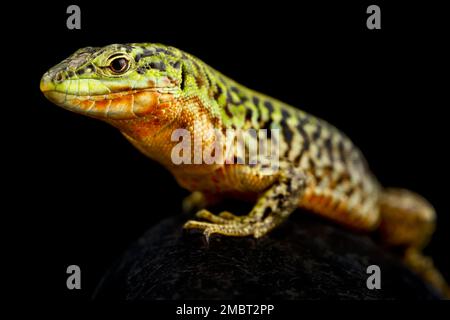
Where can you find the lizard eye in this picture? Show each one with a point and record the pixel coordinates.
(119, 65)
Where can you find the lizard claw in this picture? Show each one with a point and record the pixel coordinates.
(207, 234)
(205, 226)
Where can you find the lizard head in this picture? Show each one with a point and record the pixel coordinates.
(118, 82)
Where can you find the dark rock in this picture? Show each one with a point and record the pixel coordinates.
(306, 258)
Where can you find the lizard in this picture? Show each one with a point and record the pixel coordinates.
(148, 90)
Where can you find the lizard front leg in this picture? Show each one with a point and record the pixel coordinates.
(271, 209)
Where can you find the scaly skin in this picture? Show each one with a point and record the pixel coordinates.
(149, 90)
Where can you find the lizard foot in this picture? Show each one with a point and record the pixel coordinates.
(231, 228)
(225, 217)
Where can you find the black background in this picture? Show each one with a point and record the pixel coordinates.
(86, 193)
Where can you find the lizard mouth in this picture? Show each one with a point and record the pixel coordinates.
(123, 105)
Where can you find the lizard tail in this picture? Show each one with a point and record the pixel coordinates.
(408, 222)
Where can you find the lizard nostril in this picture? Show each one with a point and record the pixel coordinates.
(59, 76)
